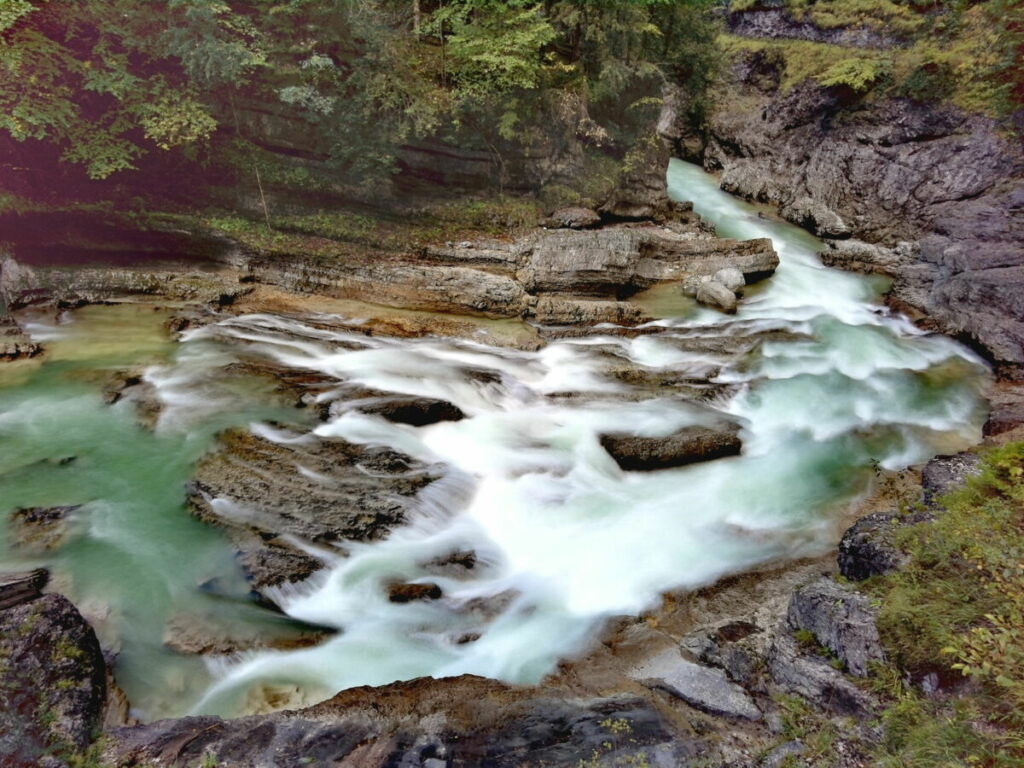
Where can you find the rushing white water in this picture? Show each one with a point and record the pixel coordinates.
(564, 538)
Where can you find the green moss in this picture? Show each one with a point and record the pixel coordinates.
(954, 53)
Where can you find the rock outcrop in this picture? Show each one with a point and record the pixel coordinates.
(14, 342)
(52, 674)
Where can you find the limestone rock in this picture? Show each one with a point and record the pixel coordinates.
(14, 342)
(731, 278)
(938, 190)
(688, 445)
(462, 721)
(557, 310)
(348, 492)
(713, 294)
(842, 620)
(728, 646)
(703, 687)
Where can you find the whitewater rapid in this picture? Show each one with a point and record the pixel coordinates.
(563, 538)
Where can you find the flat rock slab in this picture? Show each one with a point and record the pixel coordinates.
(703, 687)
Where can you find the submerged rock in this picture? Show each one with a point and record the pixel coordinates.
(52, 674)
(407, 593)
(415, 411)
(40, 528)
(840, 619)
(688, 445)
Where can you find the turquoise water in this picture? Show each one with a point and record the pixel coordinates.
(133, 556)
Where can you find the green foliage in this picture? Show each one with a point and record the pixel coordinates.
(11, 11)
(958, 609)
(859, 74)
(969, 53)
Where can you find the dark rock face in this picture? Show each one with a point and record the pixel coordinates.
(406, 593)
(1007, 409)
(947, 473)
(842, 620)
(940, 190)
(686, 446)
(52, 674)
(250, 486)
(415, 411)
(812, 678)
(460, 722)
(866, 550)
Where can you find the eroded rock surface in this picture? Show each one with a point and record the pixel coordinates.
(275, 497)
(466, 721)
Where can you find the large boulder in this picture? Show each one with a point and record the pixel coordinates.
(53, 674)
(841, 619)
(714, 294)
(686, 446)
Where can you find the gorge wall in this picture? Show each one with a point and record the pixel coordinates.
(923, 192)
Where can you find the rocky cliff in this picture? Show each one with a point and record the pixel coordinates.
(921, 191)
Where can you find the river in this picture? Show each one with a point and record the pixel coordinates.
(564, 538)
